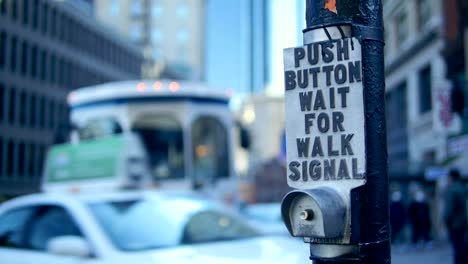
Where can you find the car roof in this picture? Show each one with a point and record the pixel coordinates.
(66, 198)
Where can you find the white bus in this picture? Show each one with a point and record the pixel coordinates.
(163, 134)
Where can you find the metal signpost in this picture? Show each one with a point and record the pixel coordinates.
(335, 134)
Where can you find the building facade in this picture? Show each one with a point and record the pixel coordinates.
(417, 87)
(47, 49)
(170, 33)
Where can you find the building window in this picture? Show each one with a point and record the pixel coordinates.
(156, 10)
(3, 8)
(43, 64)
(45, 17)
(34, 62)
(23, 104)
(13, 47)
(24, 57)
(53, 24)
(401, 25)
(14, 9)
(32, 111)
(115, 8)
(136, 32)
(424, 12)
(1, 157)
(10, 155)
(3, 40)
(51, 114)
(425, 90)
(52, 69)
(12, 106)
(32, 158)
(42, 111)
(182, 36)
(397, 108)
(136, 8)
(25, 12)
(182, 11)
(35, 18)
(156, 36)
(2, 101)
(21, 158)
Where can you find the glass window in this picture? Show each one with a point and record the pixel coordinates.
(12, 106)
(42, 107)
(32, 111)
(401, 23)
(25, 14)
(24, 57)
(21, 158)
(136, 8)
(162, 137)
(50, 222)
(182, 36)
(1, 157)
(2, 49)
(51, 114)
(35, 18)
(10, 154)
(14, 9)
(43, 64)
(3, 7)
(34, 56)
(182, 11)
(53, 23)
(23, 104)
(210, 150)
(115, 8)
(98, 128)
(13, 227)
(53, 67)
(136, 31)
(209, 226)
(13, 47)
(156, 36)
(32, 159)
(45, 17)
(156, 10)
(2, 101)
(425, 90)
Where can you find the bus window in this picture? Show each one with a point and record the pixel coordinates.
(162, 138)
(210, 149)
(98, 128)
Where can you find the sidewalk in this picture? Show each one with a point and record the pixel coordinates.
(405, 254)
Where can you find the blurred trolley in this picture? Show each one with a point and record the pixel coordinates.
(142, 134)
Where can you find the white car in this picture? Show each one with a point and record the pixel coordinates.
(267, 217)
(134, 227)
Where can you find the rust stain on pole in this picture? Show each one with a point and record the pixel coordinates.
(331, 6)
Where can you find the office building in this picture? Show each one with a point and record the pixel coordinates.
(170, 33)
(47, 49)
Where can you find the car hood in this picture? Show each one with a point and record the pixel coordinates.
(268, 249)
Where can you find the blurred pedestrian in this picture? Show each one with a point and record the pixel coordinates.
(455, 216)
(420, 218)
(397, 216)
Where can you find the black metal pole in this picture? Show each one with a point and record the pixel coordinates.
(365, 17)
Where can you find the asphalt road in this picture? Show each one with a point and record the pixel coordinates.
(439, 254)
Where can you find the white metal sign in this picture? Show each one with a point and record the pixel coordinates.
(325, 130)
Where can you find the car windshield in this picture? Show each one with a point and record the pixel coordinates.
(147, 224)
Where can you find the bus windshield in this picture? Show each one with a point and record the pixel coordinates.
(162, 137)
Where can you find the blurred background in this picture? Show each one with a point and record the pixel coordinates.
(49, 48)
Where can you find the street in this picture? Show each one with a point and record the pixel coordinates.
(441, 253)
